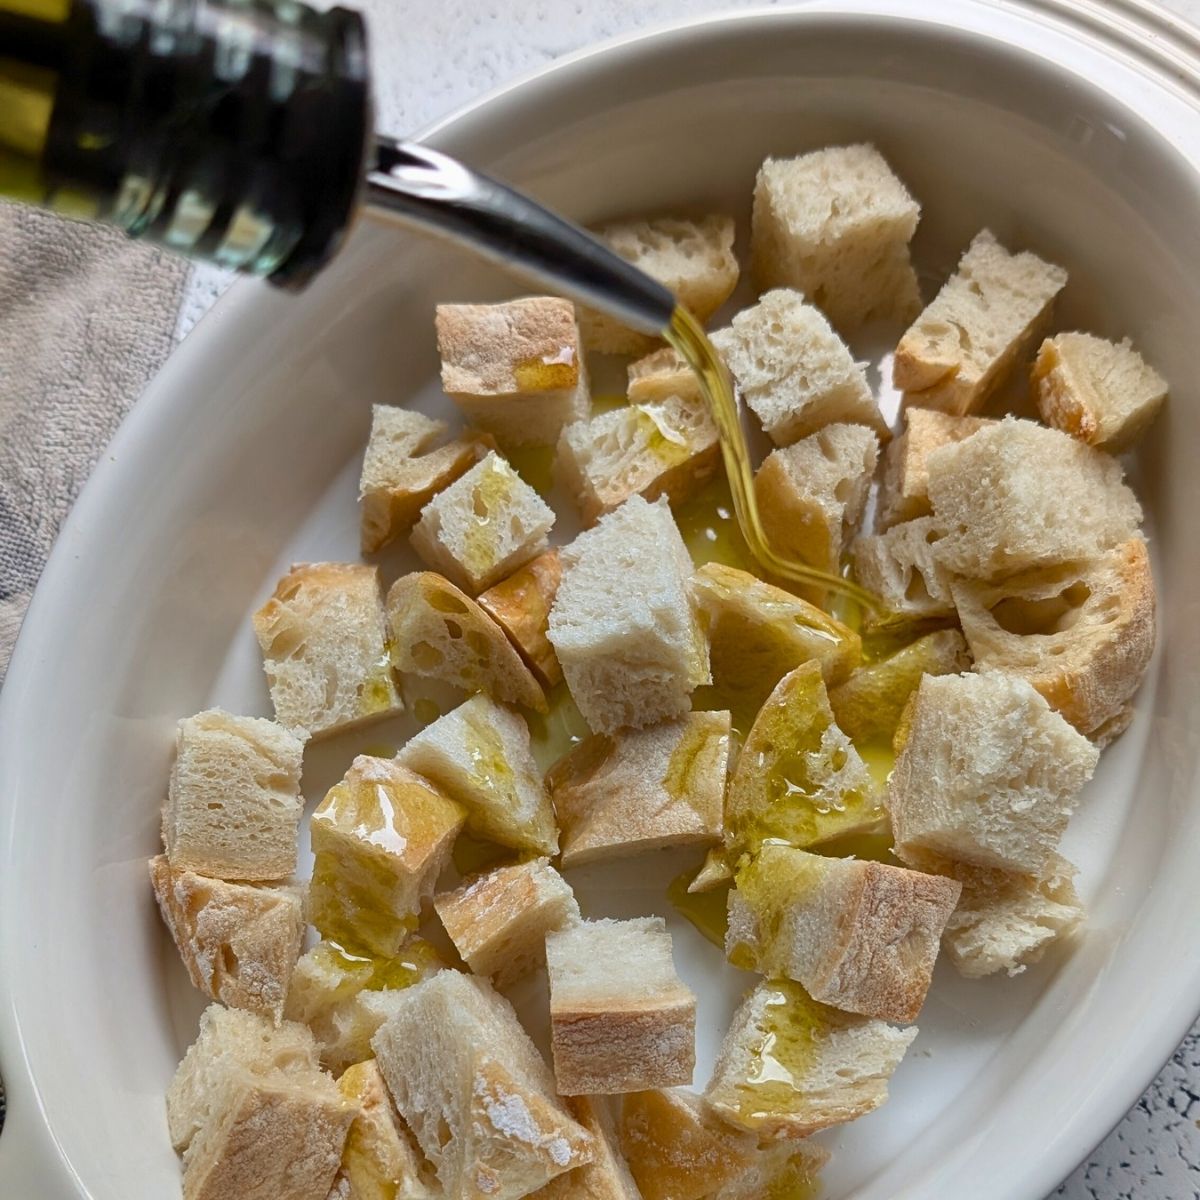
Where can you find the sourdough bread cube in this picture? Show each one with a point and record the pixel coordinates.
(516, 369)
(793, 371)
(520, 605)
(623, 625)
(660, 375)
(1100, 392)
(789, 1066)
(902, 567)
(975, 330)
(238, 941)
(861, 936)
(989, 773)
(474, 1090)
(483, 526)
(620, 1018)
(498, 921)
(693, 259)
(607, 1176)
(640, 790)
(479, 755)
(233, 802)
(322, 636)
(835, 224)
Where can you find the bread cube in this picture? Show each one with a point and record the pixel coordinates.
(404, 467)
(789, 1066)
(903, 568)
(233, 802)
(989, 773)
(439, 632)
(835, 224)
(1016, 495)
(972, 334)
(474, 1090)
(641, 790)
(498, 921)
(380, 839)
(520, 605)
(622, 623)
(238, 941)
(479, 754)
(322, 635)
(516, 369)
(694, 259)
(607, 1176)
(660, 375)
(861, 936)
(780, 1169)
(793, 371)
(483, 526)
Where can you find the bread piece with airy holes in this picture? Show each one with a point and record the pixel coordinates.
(238, 941)
(661, 375)
(902, 568)
(989, 773)
(835, 224)
(472, 1087)
(780, 1170)
(498, 921)
(641, 790)
(514, 369)
(404, 467)
(665, 447)
(1081, 633)
(1103, 393)
(793, 371)
(623, 623)
(1016, 495)
(694, 259)
(479, 755)
(520, 605)
(607, 1176)
(821, 1067)
(483, 526)
(977, 328)
(620, 1018)
(860, 936)
(233, 802)
(439, 632)
(323, 635)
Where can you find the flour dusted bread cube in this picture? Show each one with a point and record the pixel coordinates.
(641, 790)
(793, 371)
(976, 329)
(902, 567)
(498, 921)
(322, 635)
(472, 1087)
(520, 605)
(516, 369)
(835, 224)
(620, 1018)
(238, 941)
(623, 625)
(233, 802)
(607, 1176)
(693, 259)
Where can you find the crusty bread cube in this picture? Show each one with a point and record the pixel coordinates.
(620, 1018)
(694, 259)
(380, 839)
(783, 1170)
(483, 526)
(659, 375)
(520, 605)
(475, 1092)
(793, 371)
(1016, 495)
(835, 224)
(640, 790)
(1081, 633)
(516, 369)
(623, 624)
(479, 755)
(498, 921)
(861, 936)
(901, 566)
(989, 773)
(322, 635)
(233, 802)
(789, 1066)
(439, 632)
(607, 1176)
(238, 941)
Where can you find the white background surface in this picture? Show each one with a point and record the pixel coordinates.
(432, 55)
